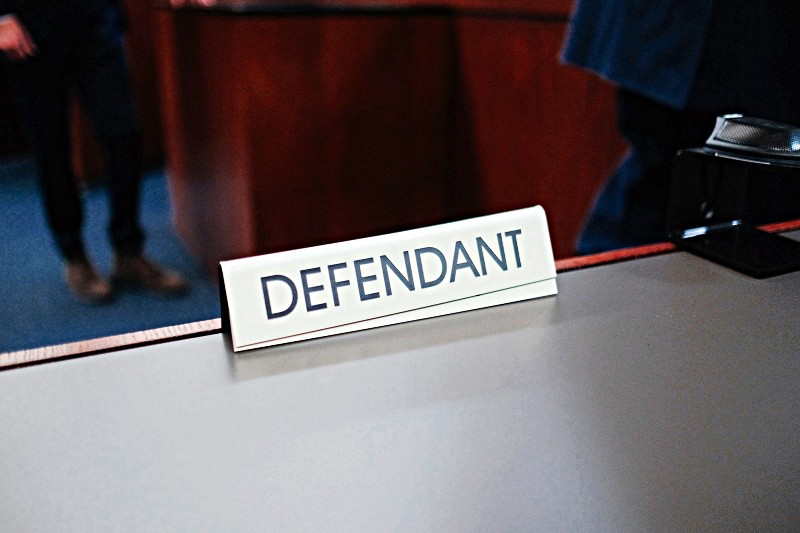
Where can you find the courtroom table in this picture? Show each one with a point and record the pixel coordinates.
(653, 394)
(290, 124)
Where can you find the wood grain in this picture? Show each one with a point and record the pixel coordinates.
(292, 130)
(56, 352)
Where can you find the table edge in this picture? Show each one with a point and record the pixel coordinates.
(57, 352)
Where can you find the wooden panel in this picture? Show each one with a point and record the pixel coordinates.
(547, 7)
(293, 130)
(351, 128)
(207, 124)
(543, 132)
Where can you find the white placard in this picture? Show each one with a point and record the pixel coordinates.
(389, 279)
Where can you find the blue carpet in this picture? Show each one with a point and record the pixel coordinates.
(38, 310)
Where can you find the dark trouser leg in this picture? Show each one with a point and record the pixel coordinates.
(632, 208)
(42, 99)
(106, 94)
(124, 175)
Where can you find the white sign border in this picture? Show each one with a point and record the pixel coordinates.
(544, 286)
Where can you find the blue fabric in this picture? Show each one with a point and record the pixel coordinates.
(632, 208)
(750, 63)
(678, 64)
(651, 47)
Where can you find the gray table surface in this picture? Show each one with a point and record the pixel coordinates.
(655, 395)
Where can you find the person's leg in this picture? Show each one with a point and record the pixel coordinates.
(41, 92)
(107, 96)
(41, 89)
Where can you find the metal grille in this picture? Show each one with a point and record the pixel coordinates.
(760, 134)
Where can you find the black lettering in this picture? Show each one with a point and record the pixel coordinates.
(335, 284)
(423, 283)
(308, 290)
(501, 261)
(361, 279)
(407, 280)
(264, 285)
(467, 263)
(513, 234)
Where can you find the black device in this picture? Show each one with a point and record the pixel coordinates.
(715, 189)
